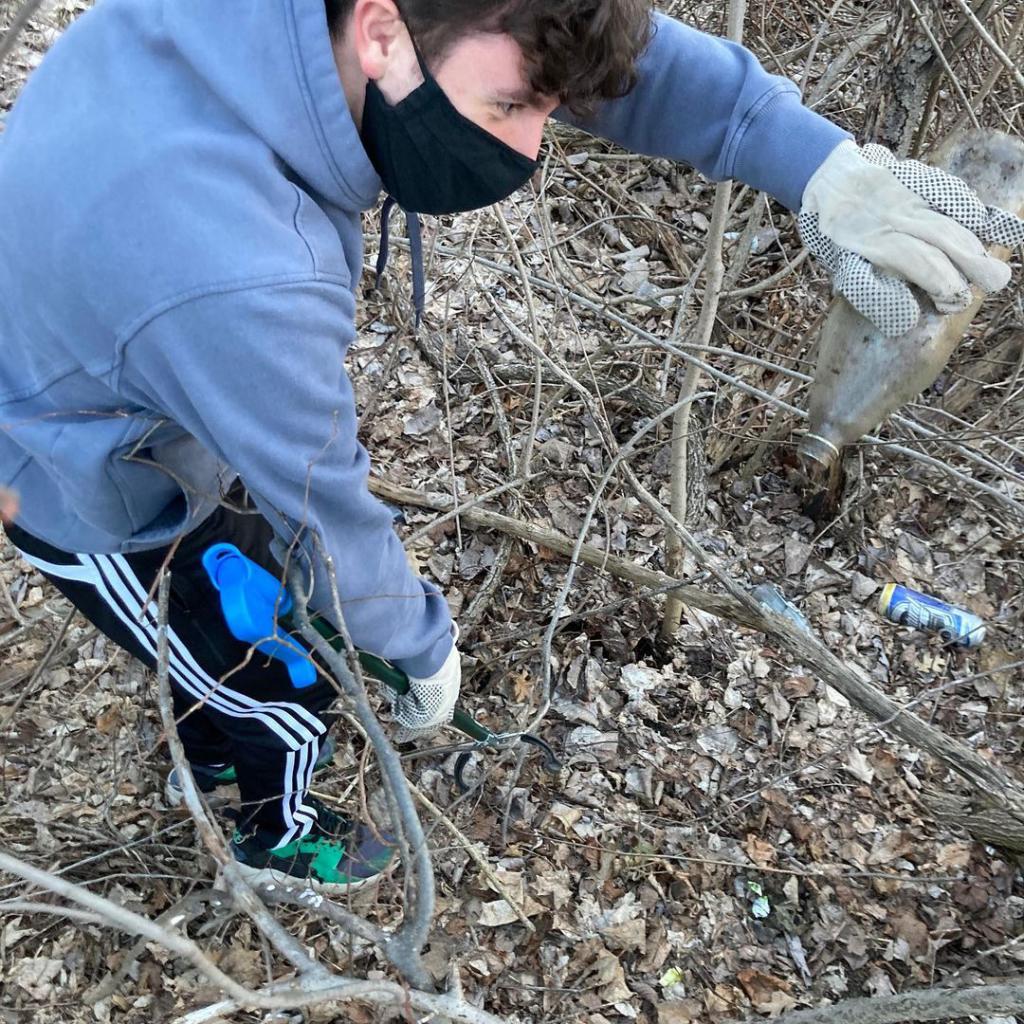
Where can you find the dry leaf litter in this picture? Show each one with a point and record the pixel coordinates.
(729, 838)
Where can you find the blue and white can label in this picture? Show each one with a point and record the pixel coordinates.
(920, 611)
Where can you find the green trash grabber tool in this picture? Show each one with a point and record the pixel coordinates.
(252, 599)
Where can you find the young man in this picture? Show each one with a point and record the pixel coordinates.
(180, 245)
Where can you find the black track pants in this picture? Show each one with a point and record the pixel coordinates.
(232, 704)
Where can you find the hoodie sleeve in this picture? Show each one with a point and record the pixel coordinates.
(709, 103)
(257, 376)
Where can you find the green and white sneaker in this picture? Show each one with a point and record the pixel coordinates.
(211, 777)
(338, 856)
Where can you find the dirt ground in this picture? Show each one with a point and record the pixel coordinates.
(730, 837)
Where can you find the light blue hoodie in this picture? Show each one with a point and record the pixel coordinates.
(181, 184)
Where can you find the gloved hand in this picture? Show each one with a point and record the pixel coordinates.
(876, 222)
(429, 703)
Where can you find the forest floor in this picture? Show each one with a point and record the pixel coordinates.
(729, 837)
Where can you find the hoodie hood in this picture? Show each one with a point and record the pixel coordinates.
(272, 64)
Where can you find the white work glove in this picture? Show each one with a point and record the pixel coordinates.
(876, 222)
(429, 704)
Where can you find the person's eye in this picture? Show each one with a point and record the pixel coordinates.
(507, 109)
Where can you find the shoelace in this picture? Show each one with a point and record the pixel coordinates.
(330, 823)
(415, 228)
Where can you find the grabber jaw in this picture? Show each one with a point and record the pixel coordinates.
(497, 741)
(551, 764)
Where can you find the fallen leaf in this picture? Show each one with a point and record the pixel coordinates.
(522, 686)
(422, 422)
(760, 852)
(912, 930)
(890, 847)
(762, 988)
(244, 965)
(954, 856)
(853, 852)
(797, 552)
(496, 914)
(565, 815)
(682, 1011)
(36, 976)
(862, 587)
(718, 740)
(799, 686)
(608, 973)
(108, 721)
(857, 765)
(626, 935)
(778, 1003)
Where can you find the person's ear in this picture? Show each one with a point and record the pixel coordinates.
(376, 28)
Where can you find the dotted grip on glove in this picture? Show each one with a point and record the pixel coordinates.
(886, 299)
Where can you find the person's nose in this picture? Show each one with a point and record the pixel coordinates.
(528, 134)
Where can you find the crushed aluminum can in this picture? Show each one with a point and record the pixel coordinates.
(770, 596)
(921, 611)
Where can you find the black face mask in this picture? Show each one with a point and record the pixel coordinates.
(432, 159)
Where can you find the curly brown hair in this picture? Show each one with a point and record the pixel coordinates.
(581, 51)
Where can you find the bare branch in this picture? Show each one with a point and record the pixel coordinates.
(681, 423)
(929, 1004)
(404, 948)
(99, 907)
(990, 42)
(241, 892)
(991, 784)
(283, 995)
(21, 19)
(887, 448)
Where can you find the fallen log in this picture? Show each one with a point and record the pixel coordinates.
(996, 804)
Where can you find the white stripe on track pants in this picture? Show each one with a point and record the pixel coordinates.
(232, 705)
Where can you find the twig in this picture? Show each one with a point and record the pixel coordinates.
(182, 913)
(348, 679)
(475, 855)
(993, 76)
(715, 604)
(940, 54)
(706, 325)
(992, 786)
(987, 370)
(886, 446)
(127, 920)
(469, 618)
(404, 948)
(21, 19)
(572, 297)
(837, 64)
(990, 42)
(39, 669)
(8, 598)
(531, 312)
(460, 509)
(309, 900)
(576, 556)
(316, 984)
(681, 423)
(767, 283)
(287, 996)
(241, 892)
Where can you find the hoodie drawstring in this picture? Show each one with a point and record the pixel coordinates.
(415, 229)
